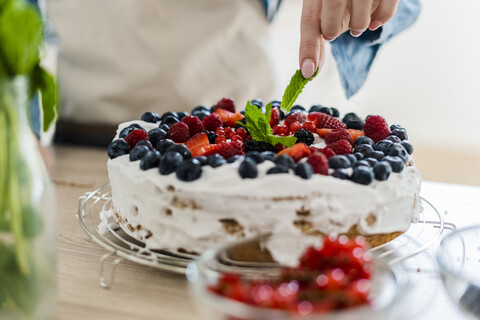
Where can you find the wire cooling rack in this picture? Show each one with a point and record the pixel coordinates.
(421, 235)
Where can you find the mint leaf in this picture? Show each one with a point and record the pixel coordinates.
(286, 141)
(294, 88)
(46, 84)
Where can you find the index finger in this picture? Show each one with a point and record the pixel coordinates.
(310, 37)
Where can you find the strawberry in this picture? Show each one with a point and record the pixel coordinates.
(231, 148)
(376, 128)
(211, 149)
(229, 118)
(341, 147)
(323, 132)
(179, 132)
(297, 116)
(295, 126)
(197, 143)
(337, 134)
(356, 133)
(274, 116)
(319, 163)
(323, 120)
(135, 136)
(299, 151)
(212, 122)
(194, 125)
(226, 104)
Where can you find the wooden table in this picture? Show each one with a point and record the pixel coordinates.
(141, 292)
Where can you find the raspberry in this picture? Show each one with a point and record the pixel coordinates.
(297, 116)
(194, 125)
(179, 132)
(376, 128)
(337, 134)
(242, 132)
(319, 163)
(220, 139)
(135, 136)
(226, 104)
(323, 120)
(220, 131)
(281, 131)
(212, 122)
(341, 147)
(231, 148)
(274, 116)
(328, 152)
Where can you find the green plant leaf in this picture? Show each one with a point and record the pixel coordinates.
(46, 84)
(294, 88)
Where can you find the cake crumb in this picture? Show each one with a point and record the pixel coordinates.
(303, 212)
(231, 226)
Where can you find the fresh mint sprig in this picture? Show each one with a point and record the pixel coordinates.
(294, 88)
(258, 123)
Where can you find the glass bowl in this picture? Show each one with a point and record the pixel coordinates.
(458, 259)
(388, 284)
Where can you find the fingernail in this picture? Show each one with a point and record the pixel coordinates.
(356, 34)
(308, 68)
(374, 25)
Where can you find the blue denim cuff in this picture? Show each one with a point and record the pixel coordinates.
(355, 56)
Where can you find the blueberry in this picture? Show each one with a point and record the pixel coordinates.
(248, 169)
(285, 160)
(402, 134)
(126, 131)
(276, 103)
(382, 170)
(150, 160)
(352, 158)
(364, 140)
(337, 162)
(234, 158)
(169, 162)
(157, 134)
(393, 138)
(335, 112)
(163, 145)
(268, 155)
(383, 145)
(216, 160)
(397, 150)
(213, 108)
(199, 109)
(202, 159)
(255, 156)
(362, 175)
(315, 108)
(189, 170)
(211, 136)
(396, 163)
(150, 117)
(257, 103)
(407, 146)
(325, 110)
(378, 155)
(118, 148)
(282, 115)
(371, 161)
(397, 126)
(359, 156)
(164, 126)
(138, 152)
(170, 120)
(304, 170)
(350, 116)
(168, 114)
(341, 174)
(297, 107)
(361, 163)
(182, 149)
(201, 114)
(277, 169)
(242, 112)
(181, 115)
(353, 121)
(145, 143)
(363, 149)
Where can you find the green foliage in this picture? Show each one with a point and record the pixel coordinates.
(294, 88)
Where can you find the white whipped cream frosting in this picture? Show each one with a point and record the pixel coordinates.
(174, 214)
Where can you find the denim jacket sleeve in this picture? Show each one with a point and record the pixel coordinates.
(355, 56)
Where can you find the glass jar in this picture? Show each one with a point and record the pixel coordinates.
(27, 213)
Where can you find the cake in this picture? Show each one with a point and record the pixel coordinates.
(186, 182)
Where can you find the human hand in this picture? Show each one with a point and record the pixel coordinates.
(325, 20)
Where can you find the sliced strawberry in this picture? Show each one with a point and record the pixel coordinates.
(229, 118)
(198, 140)
(356, 133)
(299, 151)
(211, 149)
(323, 131)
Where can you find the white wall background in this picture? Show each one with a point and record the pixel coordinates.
(427, 78)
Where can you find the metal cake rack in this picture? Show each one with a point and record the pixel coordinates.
(120, 246)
